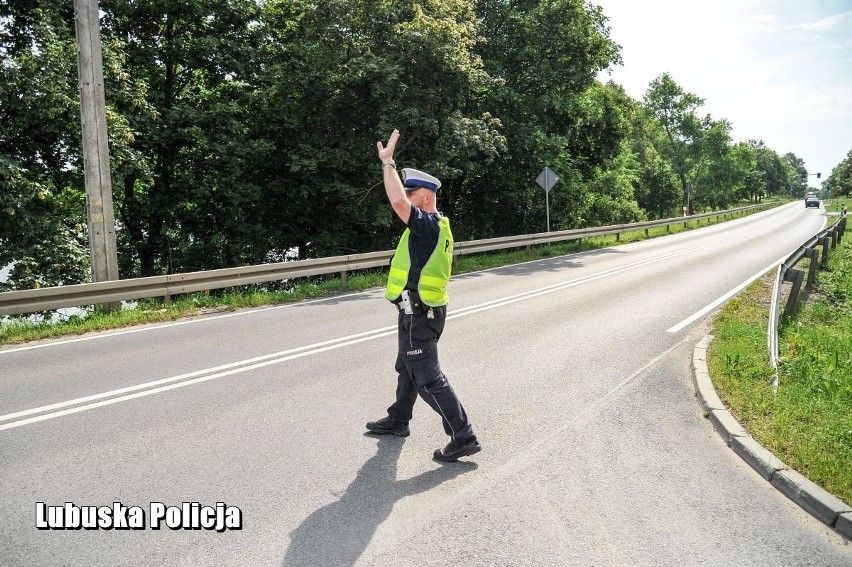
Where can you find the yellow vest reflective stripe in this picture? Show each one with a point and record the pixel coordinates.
(435, 276)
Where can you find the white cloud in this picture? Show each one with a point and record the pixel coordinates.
(837, 21)
(762, 18)
(779, 73)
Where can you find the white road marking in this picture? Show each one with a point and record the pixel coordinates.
(713, 305)
(247, 364)
(204, 375)
(172, 386)
(717, 302)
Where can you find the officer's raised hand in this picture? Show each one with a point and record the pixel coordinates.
(393, 184)
(386, 152)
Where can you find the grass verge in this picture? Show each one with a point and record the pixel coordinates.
(808, 423)
(20, 330)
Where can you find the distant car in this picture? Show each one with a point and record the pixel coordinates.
(811, 201)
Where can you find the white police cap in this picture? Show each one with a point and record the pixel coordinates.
(413, 179)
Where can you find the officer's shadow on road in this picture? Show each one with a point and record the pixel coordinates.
(337, 534)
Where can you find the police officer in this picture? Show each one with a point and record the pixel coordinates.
(417, 285)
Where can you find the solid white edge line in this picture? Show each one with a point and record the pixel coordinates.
(711, 306)
(727, 296)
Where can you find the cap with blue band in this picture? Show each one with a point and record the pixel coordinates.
(413, 179)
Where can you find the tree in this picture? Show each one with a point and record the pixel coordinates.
(42, 215)
(840, 180)
(178, 84)
(797, 174)
(767, 173)
(774, 171)
(676, 111)
(545, 55)
(718, 174)
(608, 194)
(337, 76)
(656, 189)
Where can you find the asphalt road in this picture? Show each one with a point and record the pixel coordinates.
(575, 372)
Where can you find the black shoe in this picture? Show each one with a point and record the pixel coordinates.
(452, 452)
(387, 425)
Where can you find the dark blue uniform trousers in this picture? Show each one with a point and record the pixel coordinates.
(420, 373)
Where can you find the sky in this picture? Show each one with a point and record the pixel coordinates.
(778, 70)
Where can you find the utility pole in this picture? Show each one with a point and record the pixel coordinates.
(99, 211)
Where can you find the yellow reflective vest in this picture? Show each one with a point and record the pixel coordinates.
(435, 276)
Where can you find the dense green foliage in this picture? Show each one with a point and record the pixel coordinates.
(42, 215)
(244, 131)
(839, 183)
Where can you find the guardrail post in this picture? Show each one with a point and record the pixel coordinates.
(813, 254)
(646, 233)
(618, 237)
(796, 277)
(822, 242)
(343, 277)
(167, 299)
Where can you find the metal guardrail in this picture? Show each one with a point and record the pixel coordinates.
(167, 286)
(827, 239)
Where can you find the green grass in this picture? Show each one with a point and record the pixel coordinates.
(20, 330)
(808, 423)
(836, 205)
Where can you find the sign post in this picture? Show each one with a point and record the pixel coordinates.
(546, 180)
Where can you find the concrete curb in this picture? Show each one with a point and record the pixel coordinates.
(822, 505)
